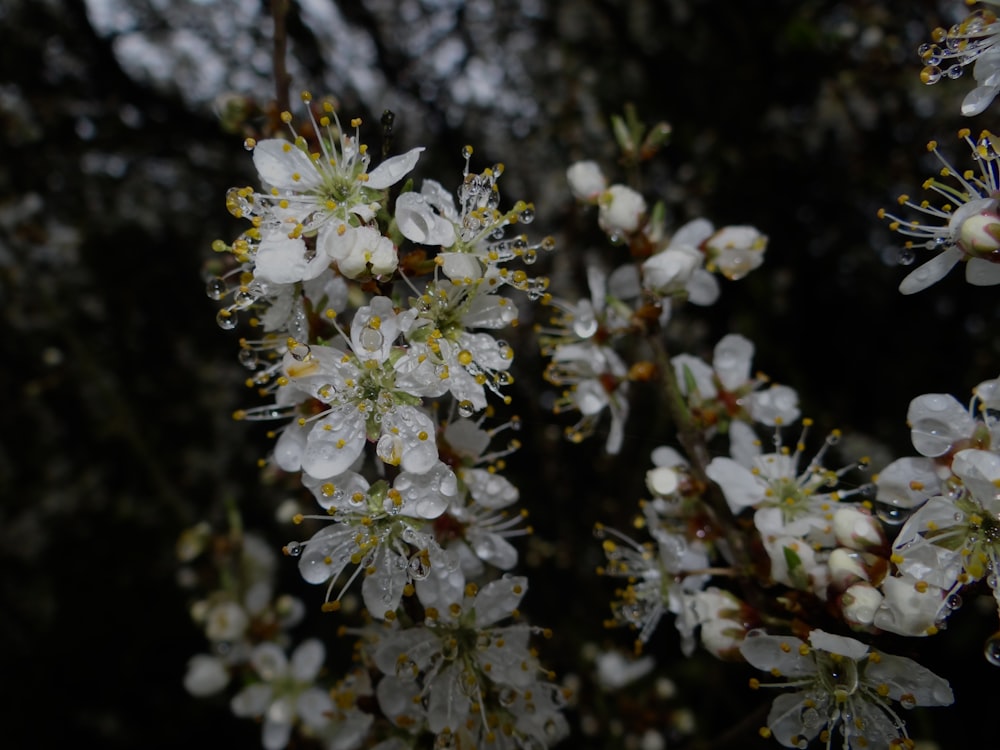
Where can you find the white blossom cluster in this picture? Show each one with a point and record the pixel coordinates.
(376, 310)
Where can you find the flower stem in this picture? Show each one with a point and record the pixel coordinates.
(282, 81)
(692, 439)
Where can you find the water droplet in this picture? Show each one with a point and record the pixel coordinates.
(527, 216)
(930, 74)
(506, 696)
(299, 352)
(248, 358)
(244, 298)
(406, 668)
(466, 409)
(907, 701)
(953, 602)
(371, 339)
(418, 568)
(216, 289)
(991, 649)
(955, 71)
(293, 549)
(906, 256)
(226, 319)
(891, 515)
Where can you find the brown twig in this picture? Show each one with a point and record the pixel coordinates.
(282, 81)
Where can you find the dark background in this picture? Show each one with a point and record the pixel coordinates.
(799, 117)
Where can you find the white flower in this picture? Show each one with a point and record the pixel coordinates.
(586, 181)
(678, 268)
(468, 362)
(620, 210)
(953, 540)
(656, 576)
(970, 231)
(467, 235)
(841, 687)
(372, 393)
(381, 531)
(735, 251)
(323, 196)
(727, 391)
(973, 40)
(285, 690)
(462, 674)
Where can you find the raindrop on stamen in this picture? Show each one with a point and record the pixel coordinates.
(216, 289)
(248, 358)
(466, 409)
(226, 320)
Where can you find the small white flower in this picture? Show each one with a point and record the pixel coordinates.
(735, 251)
(678, 267)
(952, 540)
(285, 691)
(325, 196)
(840, 687)
(969, 223)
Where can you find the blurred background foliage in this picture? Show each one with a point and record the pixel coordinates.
(121, 130)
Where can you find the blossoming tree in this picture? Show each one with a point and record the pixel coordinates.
(372, 311)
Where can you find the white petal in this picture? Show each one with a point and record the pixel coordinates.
(693, 233)
(281, 260)
(252, 700)
(334, 443)
(498, 599)
(978, 100)
(741, 488)
(206, 675)
(930, 272)
(732, 360)
(702, 288)
(279, 162)
(307, 660)
(392, 170)
(981, 272)
(419, 223)
(415, 430)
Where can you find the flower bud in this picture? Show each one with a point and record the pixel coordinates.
(846, 568)
(621, 209)
(736, 250)
(586, 181)
(979, 235)
(859, 603)
(857, 530)
(662, 481)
